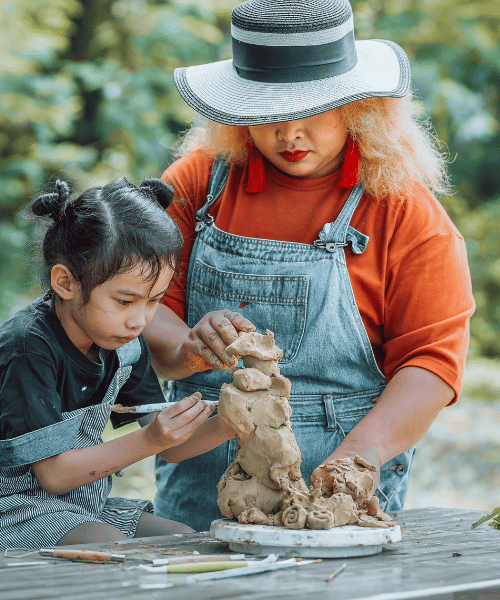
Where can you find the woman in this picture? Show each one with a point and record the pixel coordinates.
(305, 204)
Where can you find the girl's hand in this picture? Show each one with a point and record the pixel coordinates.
(175, 424)
(73, 468)
(205, 344)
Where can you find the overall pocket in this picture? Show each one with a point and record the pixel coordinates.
(394, 480)
(394, 475)
(275, 302)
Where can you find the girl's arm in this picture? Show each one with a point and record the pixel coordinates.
(77, 467)
(178, 351)
(211, 434)
(400, 418)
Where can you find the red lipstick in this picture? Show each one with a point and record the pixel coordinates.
(294, 156)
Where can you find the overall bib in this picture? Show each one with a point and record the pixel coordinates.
(303, 294)
(32, 518)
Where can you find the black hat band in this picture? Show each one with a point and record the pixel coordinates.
(284, 64)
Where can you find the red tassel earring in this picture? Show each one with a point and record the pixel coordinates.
(349, 176)
(256, 171)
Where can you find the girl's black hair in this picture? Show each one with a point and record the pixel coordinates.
(109, 230)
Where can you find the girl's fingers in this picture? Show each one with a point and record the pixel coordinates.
(182, 406)
(187, 410)
(186, 430)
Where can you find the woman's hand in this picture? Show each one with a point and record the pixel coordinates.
(204, 346)
(178, 351)
(175, 424)
(350, 450)
(400, 417)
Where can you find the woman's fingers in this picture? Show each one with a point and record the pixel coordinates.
(209, 338)
(222, 330)
(240, 322)
(213, 350)
(229, 324)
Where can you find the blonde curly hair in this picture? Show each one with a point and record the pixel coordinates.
(398, 150)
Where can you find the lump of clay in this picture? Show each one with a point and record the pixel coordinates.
(264, 484)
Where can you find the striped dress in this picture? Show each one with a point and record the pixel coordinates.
(32, 518)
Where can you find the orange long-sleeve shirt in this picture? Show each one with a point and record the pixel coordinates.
(412, 284)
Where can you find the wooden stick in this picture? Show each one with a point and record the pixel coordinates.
(199, 567)
(337, 572)
(83, 555)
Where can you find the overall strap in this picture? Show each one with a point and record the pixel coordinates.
(340, 233)
(218, 179)
(216, 183)
(129, 353)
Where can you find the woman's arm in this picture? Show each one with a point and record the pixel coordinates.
(400, 418)
(71, 469)
(178, 351)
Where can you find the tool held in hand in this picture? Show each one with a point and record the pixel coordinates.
(149, 408)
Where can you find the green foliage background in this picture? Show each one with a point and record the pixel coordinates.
(87, 94)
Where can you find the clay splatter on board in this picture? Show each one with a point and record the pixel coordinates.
(264, 483)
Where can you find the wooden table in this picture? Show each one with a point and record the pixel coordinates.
(439, 558)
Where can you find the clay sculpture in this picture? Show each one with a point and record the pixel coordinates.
(264, 483)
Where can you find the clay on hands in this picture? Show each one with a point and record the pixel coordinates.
(264, 484)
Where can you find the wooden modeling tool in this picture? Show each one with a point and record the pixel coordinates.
(200, 567)
(83, 555)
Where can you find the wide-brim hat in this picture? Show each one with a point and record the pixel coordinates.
(292, 59)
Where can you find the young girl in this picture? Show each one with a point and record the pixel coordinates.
(318, 224)
(109, 256)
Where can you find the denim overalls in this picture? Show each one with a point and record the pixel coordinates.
(32, 518)
(303, 294)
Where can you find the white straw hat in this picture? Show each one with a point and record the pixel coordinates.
(292, 59)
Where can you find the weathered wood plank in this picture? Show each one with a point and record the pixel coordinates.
(439, 551)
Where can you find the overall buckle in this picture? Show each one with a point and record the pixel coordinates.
(201, 224)
(329, 246)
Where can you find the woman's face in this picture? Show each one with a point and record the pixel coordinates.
(309, 148)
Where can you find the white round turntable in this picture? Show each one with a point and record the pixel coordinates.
(339, 542)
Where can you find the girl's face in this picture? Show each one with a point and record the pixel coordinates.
(308, 148)
(117, 311)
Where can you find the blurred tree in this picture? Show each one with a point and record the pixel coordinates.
(453, 46)
(87, 94)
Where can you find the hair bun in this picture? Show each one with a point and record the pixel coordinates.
(54, 203)
(163, 192)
